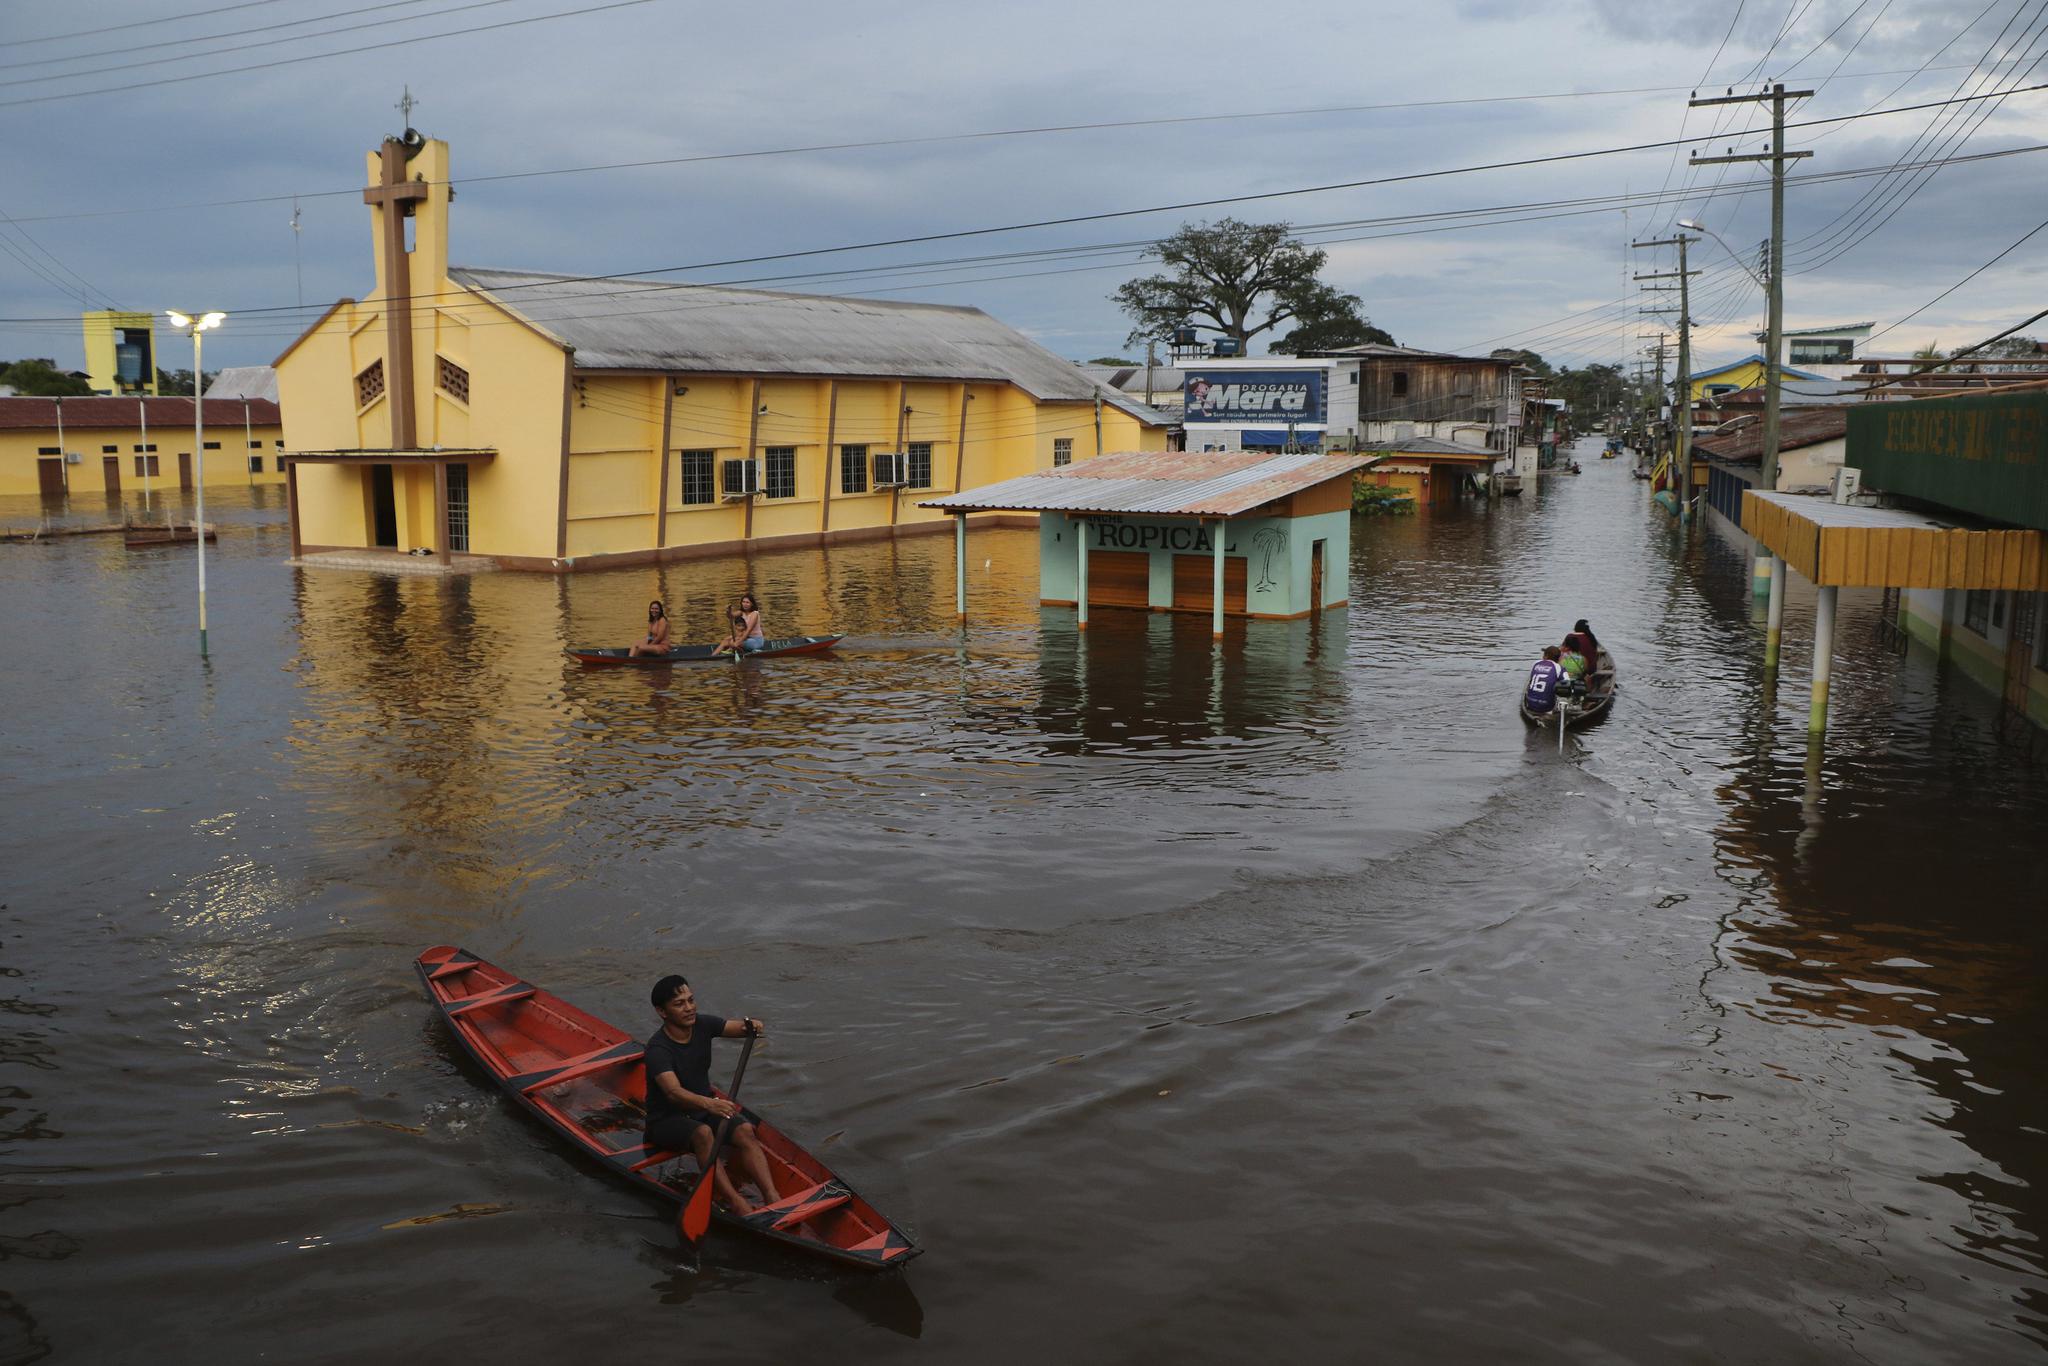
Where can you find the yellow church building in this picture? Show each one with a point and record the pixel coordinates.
(558, 421)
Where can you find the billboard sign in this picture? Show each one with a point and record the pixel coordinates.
(1265, 397)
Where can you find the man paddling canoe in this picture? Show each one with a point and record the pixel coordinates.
(682, 1112)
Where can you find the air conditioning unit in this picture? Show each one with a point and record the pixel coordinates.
(1848, 482)
(891, 471)
(73, 458)
(739, 478)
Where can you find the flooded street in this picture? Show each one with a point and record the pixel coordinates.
(1189, 1005)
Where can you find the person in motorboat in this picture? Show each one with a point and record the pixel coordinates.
(657, 641)
(683, 1113)
(1545, 678)
(1573, 663)
(1582, 639)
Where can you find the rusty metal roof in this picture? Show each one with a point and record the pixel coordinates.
(1159, 483)
(102, 412)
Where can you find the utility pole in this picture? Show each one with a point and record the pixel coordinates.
(1683, 395)
(1150, 345)
(1777, 156)
(1657, 389)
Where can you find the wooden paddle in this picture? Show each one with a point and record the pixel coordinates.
(695, 1217)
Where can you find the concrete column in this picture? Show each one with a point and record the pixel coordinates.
(1760, 573)
(1080, 570)
(1823, 660)
(960, 566)
(1774, 629)
(1216, 584)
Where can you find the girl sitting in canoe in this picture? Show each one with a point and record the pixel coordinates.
(657, 641)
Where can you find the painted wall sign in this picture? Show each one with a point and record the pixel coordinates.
(1154, 536)
(1263, 396)
(1981, 453)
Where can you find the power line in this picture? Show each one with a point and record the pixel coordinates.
(247, 47)
(139, 23)
(318, 56)
(882, 143)
(209, 38)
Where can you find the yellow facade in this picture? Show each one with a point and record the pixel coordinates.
(32, 459)
(105, 332)
(567, 465)
(1744, 374)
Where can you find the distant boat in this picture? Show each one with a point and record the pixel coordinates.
(701, 654)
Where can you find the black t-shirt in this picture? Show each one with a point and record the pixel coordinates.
(691, 1062)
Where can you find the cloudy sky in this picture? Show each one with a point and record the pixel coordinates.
(147, 165)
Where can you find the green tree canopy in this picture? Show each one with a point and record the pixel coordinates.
(1110, 360)
(1330, 320)
(1519, 356)
(40, 379)
(178, 383)
(1231, 278)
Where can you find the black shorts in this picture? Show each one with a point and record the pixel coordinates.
(676, 1133)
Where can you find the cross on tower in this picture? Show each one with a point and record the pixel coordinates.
(406, 104)
(394, 197)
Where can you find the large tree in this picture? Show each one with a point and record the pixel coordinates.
(1235, 279)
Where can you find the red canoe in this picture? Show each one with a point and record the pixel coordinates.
(583, 1079)
(701, 654)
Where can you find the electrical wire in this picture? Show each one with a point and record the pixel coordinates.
(321, 56)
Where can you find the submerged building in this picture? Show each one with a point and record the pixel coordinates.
(61, 447)
(552, 421)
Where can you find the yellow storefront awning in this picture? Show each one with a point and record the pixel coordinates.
(1839, 545)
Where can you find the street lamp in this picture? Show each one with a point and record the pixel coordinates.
(197, 326)
(1691, 226)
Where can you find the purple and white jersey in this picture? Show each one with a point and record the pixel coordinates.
(1543, 681)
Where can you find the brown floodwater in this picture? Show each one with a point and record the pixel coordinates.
(1189, 1005)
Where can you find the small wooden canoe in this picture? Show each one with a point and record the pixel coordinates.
(1576, 710)
(583, 1080)
(702, 654)
(146, 537)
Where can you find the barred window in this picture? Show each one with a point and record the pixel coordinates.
(255, 445)
(49, 450)
(697, 482)
(1062, 451)
(150, 447)
(212, 445)
(370, 384)
(918, 465)
(453, 379)
(110, 450)
(853, 469)
(255, 464)
(1977, 610)
(780, 472)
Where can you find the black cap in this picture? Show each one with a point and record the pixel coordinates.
(665, 990)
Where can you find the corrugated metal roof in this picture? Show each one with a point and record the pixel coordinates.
(105, 413)
(1161, 483)
(244, 381)
(1428, 445)
(1743, 439)
(708, 329)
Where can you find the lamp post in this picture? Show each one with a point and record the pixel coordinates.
(197, 326)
